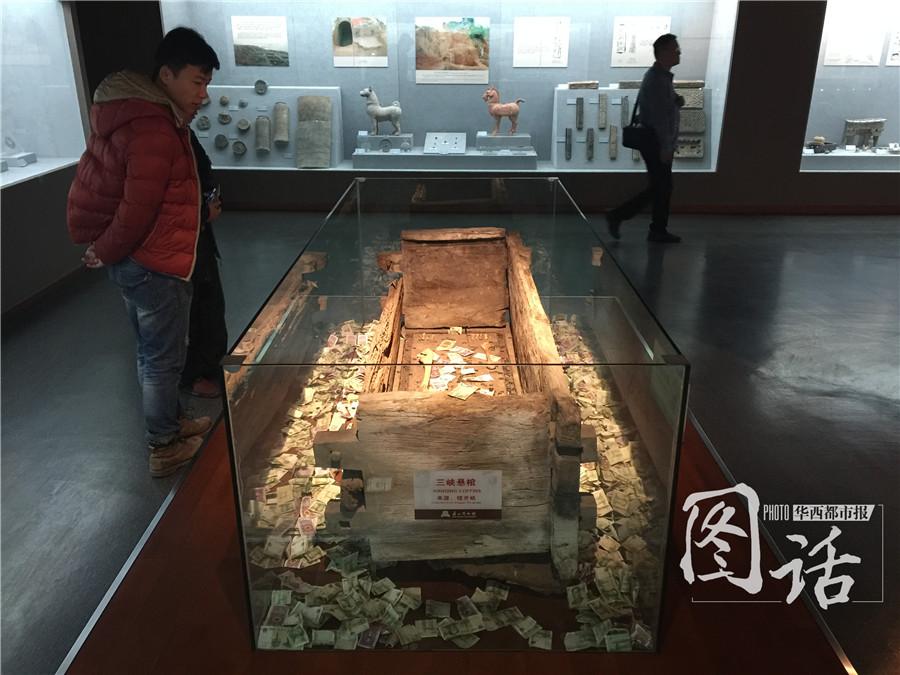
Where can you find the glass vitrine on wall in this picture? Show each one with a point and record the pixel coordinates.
(454, 425)
(854, 116)
(425, 86)
(41, 126)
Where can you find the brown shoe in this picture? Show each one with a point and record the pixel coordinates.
(167, 459)
(196, 426)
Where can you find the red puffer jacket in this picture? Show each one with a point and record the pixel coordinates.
(136, 191)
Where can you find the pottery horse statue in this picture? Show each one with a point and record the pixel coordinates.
(499, 110)
(379, 113)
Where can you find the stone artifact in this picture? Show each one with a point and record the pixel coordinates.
(379, 113)
(820, 146)
(263, 134)
(281, 122)
(589, 145)
(224, 118)
(689, 148)
(863, 133)
(693, 98)
(602, 103)
(239, 148)
(243, 125)
(224, 100)
(894, 148)
(568, 143)
(626, 112)
(243, 103)
(692, 121)
(313, 140)
(499, 110)
(203, 123)
(221, 141)
(613, 141)
(4, 165)
(584, 84)
(260, 87)
(579, 113)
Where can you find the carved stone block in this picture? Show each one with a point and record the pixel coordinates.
(613, 141)
(589, 145)
(568, 143)
(579, 113)
(689, 148)
(263, 134)
(313, 145)
(693, 98)
(602, 104)
(281, 122)
(692, 121)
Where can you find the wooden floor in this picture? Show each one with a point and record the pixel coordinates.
(181, 609)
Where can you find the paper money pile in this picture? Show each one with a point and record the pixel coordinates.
(460, 371)
(363, 612)
(616, 555)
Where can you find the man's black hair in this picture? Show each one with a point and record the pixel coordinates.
(663, 41)
(184, 47)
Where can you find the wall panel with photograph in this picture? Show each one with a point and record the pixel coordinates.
(854, 116)
(436, 61)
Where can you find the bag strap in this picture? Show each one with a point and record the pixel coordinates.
(634, 110)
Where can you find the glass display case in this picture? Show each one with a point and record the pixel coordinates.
(854, 115)
(41, 127)
(454, 425)
(425, 86)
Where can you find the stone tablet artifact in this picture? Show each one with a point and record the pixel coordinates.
(689, 148)
(863, 133)
(313, 143)
(243, 125)
(589, 141)
(223, 100)
(579, 113)
(602, 103)
(626, 111)
(613, 141)
(260, 87)
(585, 84)
(281, 122)
(203, 123)
(224, 118)
(568, 143)
(263, 134)
(239, 148)
(692, 121)
(221, 141)
(693, 98)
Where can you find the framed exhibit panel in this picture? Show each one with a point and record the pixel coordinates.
(854, 115)
(454, 425)
(487, 73)
(41, 128)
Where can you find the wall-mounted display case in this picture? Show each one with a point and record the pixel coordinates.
(424, 86)
(453, 424)
(854, 115)
(41, 126)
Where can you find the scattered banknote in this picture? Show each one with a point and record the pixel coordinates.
(437, 609)
(541, 639)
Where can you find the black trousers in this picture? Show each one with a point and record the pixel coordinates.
(658, 191)
(207, 333)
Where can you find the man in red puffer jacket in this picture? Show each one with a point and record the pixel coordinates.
(136, 202)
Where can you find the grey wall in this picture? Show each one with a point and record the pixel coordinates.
(433, 107)
(36, 251)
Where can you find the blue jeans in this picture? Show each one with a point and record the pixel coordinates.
(159, 308)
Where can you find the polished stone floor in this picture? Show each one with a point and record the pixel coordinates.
(791, 325)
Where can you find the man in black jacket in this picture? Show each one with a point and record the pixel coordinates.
(658, 109)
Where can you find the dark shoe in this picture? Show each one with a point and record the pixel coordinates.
(204, 388)
(614, 226)
(196, 426)
(167, 459)
(663, 237)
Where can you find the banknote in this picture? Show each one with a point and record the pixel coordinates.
(437, 609)
(427, 628)
(541, 639)
(466, 607)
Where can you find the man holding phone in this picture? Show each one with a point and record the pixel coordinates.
(207, 335)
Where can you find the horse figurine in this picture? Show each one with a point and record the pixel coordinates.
(379, 113)
(499, 110)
